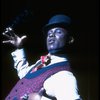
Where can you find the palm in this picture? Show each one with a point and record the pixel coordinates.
(13, 39)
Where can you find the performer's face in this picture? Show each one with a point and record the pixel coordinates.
(56, 38)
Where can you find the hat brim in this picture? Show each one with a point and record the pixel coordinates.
(50, 26)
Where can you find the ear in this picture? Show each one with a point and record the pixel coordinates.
(71, 40)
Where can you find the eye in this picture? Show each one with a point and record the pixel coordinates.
(58, 31)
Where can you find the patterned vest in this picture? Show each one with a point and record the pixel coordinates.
(33, 82)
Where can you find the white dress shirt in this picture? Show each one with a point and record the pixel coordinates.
(62, 85)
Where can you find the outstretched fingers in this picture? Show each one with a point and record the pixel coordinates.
(7, 41)
(23, 37)
(7, 35)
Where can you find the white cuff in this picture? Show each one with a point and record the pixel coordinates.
(18, 54)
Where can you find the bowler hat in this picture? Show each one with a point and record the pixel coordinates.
(59, 20)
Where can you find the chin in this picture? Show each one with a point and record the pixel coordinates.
(52, 47)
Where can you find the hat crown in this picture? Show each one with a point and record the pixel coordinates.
(60, 19)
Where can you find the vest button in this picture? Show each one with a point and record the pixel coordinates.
(22, 82)
(16, 90)
(9, 97)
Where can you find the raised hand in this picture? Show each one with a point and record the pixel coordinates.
(13, 39)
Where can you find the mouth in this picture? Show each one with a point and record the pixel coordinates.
(51, 41)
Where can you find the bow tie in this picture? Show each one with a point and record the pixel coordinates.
(44, 61)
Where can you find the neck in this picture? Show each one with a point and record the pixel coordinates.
(58, 51)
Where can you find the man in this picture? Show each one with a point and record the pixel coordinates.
(50, 78)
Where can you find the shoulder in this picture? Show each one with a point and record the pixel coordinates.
(63, 74)
(62, 77)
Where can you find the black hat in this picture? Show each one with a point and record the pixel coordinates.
(59, 20)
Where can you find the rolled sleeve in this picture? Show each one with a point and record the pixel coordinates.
(20, 62)
(17, 56)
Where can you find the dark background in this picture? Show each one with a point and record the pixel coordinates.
(29, 16)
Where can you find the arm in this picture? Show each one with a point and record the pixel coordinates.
(62, 85)
(20, 62)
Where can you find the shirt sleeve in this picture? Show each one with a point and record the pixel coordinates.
(20, 62)
(63, 86)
